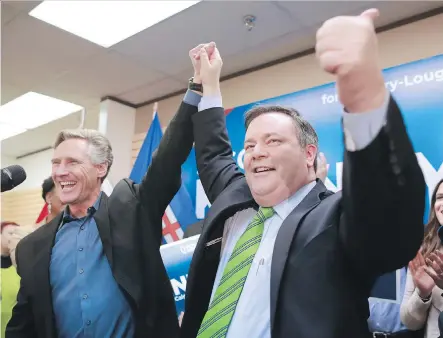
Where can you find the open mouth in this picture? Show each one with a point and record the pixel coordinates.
(68, 185)
(260, 170)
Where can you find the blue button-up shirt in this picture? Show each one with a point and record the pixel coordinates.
(87, 300)
(385, 316)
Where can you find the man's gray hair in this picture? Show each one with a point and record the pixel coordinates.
(305, 132)
(100, 150)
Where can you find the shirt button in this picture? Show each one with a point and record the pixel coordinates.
(82, 227)
(80, 249)
(85, 296)
(88, 322)
(81, 271)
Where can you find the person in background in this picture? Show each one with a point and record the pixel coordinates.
(10, 280)
(422, 301)
(384, 320)
(55, 207)
(50, 197)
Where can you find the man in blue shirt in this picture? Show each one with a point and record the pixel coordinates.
(95, 270)
(384, 320)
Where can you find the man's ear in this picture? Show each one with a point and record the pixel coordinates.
(102, 169)
(311, 154)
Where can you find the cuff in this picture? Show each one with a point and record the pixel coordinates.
(192, 98)
(361, 129)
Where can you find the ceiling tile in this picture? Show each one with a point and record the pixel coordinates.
(314, 13)
(33, 51)
(10, 92)
(166, 45)
(8, 13)
(152, 91)
(107, 74)
(23, 6)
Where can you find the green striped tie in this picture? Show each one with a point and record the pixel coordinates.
(218, 317)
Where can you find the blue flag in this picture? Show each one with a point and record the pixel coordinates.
(180, 213)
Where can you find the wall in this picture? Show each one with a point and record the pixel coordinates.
(404, 44)
(24, 203)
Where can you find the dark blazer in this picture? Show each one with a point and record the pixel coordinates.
(331, 247)
(193, 229)
(130, 227)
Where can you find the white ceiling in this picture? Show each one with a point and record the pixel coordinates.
(39, 57)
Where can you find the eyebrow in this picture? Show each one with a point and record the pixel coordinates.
(265, 136)
(67, 158)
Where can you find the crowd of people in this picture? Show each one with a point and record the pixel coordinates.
(279, 255)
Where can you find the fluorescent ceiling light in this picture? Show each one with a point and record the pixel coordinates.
(30, 111)
(107, 22)
(7, 131)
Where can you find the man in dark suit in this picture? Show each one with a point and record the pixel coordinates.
(96, 270)
(193, 229)
(280, 255)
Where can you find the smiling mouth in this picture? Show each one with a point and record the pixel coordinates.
(260, 170)
(69, 185)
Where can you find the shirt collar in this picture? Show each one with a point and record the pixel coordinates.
(67, 216)
(284, 208)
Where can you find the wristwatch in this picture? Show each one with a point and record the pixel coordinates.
(425, 299)
(195, 86)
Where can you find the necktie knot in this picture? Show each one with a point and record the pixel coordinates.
(265, 213)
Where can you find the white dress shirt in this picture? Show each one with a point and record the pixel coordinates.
(252, 317)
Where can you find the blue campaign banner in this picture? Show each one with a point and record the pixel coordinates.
(417, 88)
(177, 258)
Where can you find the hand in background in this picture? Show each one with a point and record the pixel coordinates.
(435, 267)
(423, 282)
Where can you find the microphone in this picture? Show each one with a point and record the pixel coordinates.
(12, 176)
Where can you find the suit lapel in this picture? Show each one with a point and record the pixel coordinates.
(206, 257)
(101, 217)
(42, 250)
(285, 238)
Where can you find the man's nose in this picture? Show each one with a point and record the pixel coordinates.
(259, 151)
(61, 170)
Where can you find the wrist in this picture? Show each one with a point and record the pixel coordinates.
(424, 295)
(364, 95)
(197, 78)
(211, 90)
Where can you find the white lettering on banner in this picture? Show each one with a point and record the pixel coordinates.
(179, 285)
(431, 175)
(185, 249)
(393, 85)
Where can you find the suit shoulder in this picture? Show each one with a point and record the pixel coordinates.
(26, 241)
(125, 190)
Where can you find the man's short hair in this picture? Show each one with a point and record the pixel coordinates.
(305, 132)
(100, 150)
(47, 186)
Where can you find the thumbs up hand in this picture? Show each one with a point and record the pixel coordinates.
(347, 48)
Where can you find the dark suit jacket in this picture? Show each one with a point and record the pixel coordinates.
(130, 227)
(331, 248)
(193, 229)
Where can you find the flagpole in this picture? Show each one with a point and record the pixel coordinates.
(155, 109)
